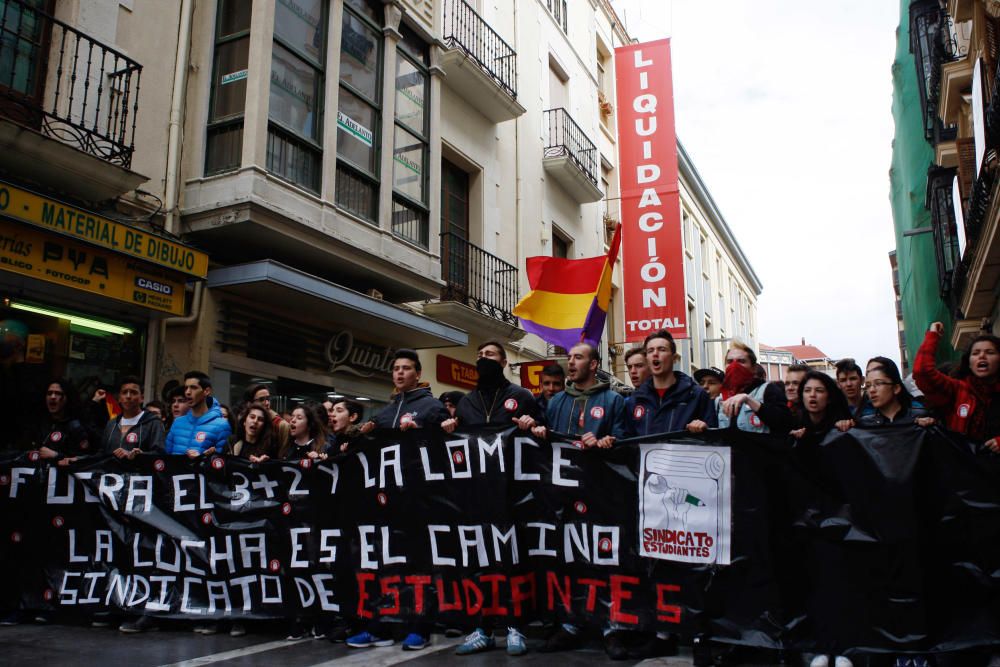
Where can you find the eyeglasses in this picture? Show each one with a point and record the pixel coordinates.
(867, 386)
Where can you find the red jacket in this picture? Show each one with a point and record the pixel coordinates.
(962, 402)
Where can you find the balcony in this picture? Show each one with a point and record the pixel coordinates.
(68, 106)
(480, 289)
(479, 65)
(570, 157)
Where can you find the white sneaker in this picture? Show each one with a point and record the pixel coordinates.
(841, 661)
(820, 661)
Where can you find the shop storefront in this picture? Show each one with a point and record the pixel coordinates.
(78, 296)
(308, 338)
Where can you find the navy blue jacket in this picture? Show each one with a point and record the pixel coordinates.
(418, 405)
(682, 403)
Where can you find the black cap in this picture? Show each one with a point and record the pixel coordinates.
(701, 373)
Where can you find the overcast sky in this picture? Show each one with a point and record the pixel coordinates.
(785, 108)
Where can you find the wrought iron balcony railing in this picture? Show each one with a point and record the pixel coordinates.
(565, 139)
(478, 279)
(930, 35)
(464, 29)
(66, 84)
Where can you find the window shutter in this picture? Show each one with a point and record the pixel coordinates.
(966, 169)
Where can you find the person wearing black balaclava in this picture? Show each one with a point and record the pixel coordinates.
(495, 400)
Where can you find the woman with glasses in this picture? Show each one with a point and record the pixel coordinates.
(890, 398)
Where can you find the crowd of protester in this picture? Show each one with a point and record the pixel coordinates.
(805, 405)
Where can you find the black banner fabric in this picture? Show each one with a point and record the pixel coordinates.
(885, 539)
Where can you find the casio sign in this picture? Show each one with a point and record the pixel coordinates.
(153, 286)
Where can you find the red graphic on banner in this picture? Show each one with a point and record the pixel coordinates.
(652, 252)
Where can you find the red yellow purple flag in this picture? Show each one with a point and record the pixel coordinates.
(569, 298)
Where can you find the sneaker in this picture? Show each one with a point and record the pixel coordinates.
(206, 628)
(655, 647)
(820, 661)
(614, 646)
(11, 618)
(367, 640)
(101, 620)
(339, 633)
(238, 630)
(42, 617)
(562, 640)
(515, 642)
(701, 652)
(318, 632)
(415, 642)
(141, 624)
(841, 661)
(477, 642)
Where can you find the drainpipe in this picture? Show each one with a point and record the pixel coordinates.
(177, 98)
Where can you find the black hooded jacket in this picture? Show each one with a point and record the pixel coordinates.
(496, 406)
(418, 405)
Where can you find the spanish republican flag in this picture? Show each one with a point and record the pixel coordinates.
(568, 300)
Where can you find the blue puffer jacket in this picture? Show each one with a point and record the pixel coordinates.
(602, 411)
(209, 430)
(684, 402)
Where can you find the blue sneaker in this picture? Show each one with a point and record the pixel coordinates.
(415, 642)
(515, 642)
(477, 642)
(367, 640)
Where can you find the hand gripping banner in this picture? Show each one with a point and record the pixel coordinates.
(885, 539)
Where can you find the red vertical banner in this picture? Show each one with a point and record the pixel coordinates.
(652, 252)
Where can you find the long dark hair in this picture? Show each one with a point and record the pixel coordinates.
(265, 437)
(316, 421)
(836, 404)
(964, 365)
(888, 366)
(71, 409)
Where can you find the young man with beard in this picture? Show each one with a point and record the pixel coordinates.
(586, 408)
(592, 411)
(412, 406)
(494, 401)
(134, 430)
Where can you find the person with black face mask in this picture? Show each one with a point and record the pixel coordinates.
(494, 401)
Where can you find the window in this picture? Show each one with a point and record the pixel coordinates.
(359, 109)
(558, 10)
(295, 109)
(410, 141)
(454, 200)
(224, 140)
(560, 245)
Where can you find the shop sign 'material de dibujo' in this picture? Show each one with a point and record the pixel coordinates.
(134, 266)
